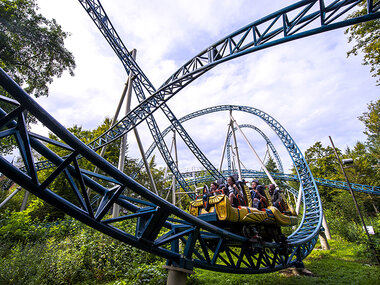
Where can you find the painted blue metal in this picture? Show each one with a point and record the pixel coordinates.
(153, 216)
(206, 246)
(269, 143)
(100, 18)
(283, 27)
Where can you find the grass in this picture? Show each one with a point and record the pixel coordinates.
(345, 263)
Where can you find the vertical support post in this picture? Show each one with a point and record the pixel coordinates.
(153, 185)
(176, 275)
(369, 6)
(299, 200)
(10, 196)
(236, 147)
(254, 152)
(114, 119)
(323, 239)
(176, 162)
(356, 204)
(23, 205)
(123, 140)
(326, 227)
(224, 148)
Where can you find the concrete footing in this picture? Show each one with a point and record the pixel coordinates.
(176, 275)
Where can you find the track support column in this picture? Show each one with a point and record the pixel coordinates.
(177, 275)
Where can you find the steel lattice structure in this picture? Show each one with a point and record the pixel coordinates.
(373, 190)
(100, 18)
(267, 140)
(274, 29)
(159, 226)
(206, 246)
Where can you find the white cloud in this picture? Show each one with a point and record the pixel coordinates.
(308, 85)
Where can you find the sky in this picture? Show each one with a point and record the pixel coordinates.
(309, 85)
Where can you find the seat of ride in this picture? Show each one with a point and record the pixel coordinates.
(217, 208)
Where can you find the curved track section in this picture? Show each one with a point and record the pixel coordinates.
(101, 20)
(302, 19)
(269, 143)
(373, 190)
(158, 225)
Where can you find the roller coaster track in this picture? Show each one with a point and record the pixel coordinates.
(199, 177)
(373, 190)
(269, 143)
(277, 28)
(100, 18)
(158, 226)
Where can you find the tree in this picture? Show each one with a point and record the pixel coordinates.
(32, 48)
(367, 38)
(323, 164)
(60, 185)
(271, 167)
(371, 120)
(32, 52)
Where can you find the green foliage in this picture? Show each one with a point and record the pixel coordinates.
(144, 274)
(158, 177)
(69, 253)
(323, 164)
(19, 226)
(32, 52)
(366, 36)
(32, 47)
(371, 120)
(272, 167)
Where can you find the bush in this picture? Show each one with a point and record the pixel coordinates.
(19, 226)
(68, 252)
(23, 265)
(352, 231)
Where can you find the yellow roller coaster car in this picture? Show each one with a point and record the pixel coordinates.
(217, 208)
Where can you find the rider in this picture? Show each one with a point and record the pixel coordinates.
(275, 195)
(259, 200)
(234, 193)
(213, 188)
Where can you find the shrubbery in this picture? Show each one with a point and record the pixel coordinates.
(348, 229)
(68, 252)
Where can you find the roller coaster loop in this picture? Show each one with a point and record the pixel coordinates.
(152, 224)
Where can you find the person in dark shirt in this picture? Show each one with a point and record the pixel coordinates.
(275, 195)
(259, 200)
(233, 192)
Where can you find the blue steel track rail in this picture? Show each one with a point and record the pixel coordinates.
(159, 226)
(96, 12)
(311, 17)
(269, 143)
(373, 190)
(232, 252)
